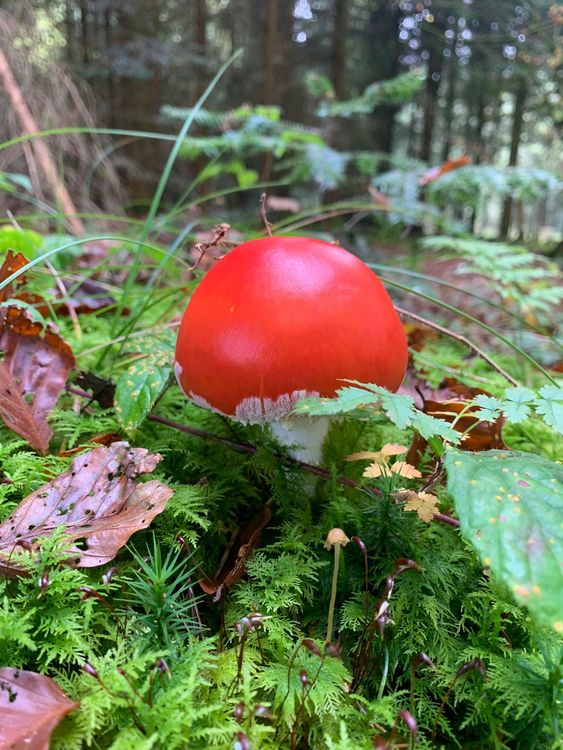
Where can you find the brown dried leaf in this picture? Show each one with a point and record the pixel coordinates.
(389, 449)
(423, 503)
(11, 264)
(33, 373)
(31, 706)
(393, 449)
(233, 564)
(283, 203)
(97, 499)
(364, 455)
(106, 439)
(377, 469)
(447, 402)
(403, 469)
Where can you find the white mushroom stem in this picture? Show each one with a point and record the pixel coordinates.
(303, 435)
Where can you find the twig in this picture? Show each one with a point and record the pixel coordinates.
(459, 337)
(64, 292)
(263, 214)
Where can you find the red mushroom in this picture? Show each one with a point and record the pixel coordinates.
(281, 318)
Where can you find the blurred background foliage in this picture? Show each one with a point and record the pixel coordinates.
(330, 97)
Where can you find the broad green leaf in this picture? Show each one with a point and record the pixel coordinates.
(550, 406)
(143, 382)
(510, 505)
(137, 390)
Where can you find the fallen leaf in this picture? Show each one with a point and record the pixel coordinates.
(33, 373)
(106, 439)
(97, 499)
(423, 503)
(447, 402)
(448, 166)
(283, 203)
(31, 706)
(103, 391)
(233, 564)
(86, 297)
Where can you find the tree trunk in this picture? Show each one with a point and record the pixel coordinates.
(84, 31)
(339, 41)
(517, 122)
(435, 65)
(386, 51)
(270, 52)
(69, 31)
(450, 103)
(201, 44)
(110, 74)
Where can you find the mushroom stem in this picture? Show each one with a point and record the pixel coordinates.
(304, 436)
(332, 602)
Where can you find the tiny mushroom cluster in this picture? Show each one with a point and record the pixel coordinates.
(281, 318)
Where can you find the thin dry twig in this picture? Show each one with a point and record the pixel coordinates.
(218, 234)
(459, 337)
(264, 215)
(64, 291)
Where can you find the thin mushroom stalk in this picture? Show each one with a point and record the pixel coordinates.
(336, 538)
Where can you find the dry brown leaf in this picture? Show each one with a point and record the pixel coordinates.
(389, 449)
(33, 372)
(377, 469)
(423, 503)
(403, 469)
(447, 402)
(363, 455)
(233, 564)
(393, 449)
(31, 706)
(99, 501)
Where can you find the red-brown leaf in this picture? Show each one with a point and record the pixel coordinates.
(233, 564)
(99, 501)
(31, 706)
(33, 372)
(448, 166)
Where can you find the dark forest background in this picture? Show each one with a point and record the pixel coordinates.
(472, 78)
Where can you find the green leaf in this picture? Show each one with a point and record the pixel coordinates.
(137, 390)
(489, 407)
(550, 406)
(515, 404)
(429, 426)
(346, 400)
(509, 505)
(143, 382)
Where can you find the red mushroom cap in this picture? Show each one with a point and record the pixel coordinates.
(281, 318)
